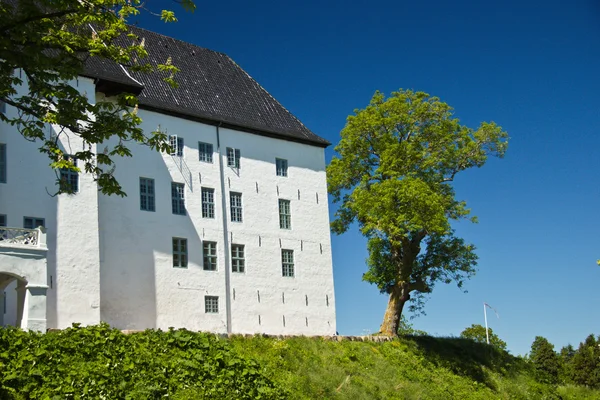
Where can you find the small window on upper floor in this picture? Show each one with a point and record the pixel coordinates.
(176, 144)
(33, 222)
(281, 166)
(205, 151)
(233, 157)
(208, 202)
(287, 263)
(180, 253)
(69, 179)
(3, 233)
(235, 205)
(238, 262)
(285, 214)
(147, 202)
(178, 198)
(209, 255)
(2, 163)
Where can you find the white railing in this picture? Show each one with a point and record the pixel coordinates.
(22, 237)
(184, 169)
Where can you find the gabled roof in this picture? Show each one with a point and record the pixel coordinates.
(212, 88)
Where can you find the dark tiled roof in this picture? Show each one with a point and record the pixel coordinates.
(212, 88)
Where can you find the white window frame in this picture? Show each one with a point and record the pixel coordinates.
(35, 222)
(281, 167)
(285, 214)
(205, 152)
(3, 162)
(176, 144)
(207, 196)
(211, 304)
(178, 198)
(180, 252)
(233, 157)
(209, 256)
(147, 194)
(238, 260)
(287, 263)
(236, 207)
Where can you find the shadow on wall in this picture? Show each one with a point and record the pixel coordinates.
(136, 245)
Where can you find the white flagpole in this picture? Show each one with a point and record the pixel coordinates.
(487, 336)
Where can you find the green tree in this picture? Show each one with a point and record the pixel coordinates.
(565, 357)
(48, 42)
(545, 360)
(586, 363)
(476, 333)
(393, 171)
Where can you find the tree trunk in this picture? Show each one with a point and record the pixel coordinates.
(393, 313)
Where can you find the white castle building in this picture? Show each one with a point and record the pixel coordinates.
(229, 233)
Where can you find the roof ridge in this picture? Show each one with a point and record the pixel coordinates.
(176, 40)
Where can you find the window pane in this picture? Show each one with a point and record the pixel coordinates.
(235, 203)
(2, 162)
(177, 198)
(281, 166)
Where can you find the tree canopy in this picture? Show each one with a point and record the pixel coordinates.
(393, 174)
(48, 42)
(477, 333)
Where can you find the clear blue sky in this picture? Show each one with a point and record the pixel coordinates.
(532, 67)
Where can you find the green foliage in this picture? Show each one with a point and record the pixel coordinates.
(396, 161)
(585, 363)
(418, 367)
(405, 328)
(47, 43)
(100, 362)
(477, 333)
(545, 360)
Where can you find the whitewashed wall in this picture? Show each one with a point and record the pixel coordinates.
(108, 260)
(141, 289)
(71, 222)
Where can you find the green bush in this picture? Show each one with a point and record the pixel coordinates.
(100, 362)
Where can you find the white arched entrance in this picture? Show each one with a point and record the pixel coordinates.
(23, 260)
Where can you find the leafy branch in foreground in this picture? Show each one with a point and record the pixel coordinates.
(44, 45)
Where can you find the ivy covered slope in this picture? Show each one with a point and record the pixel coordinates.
(102, 363)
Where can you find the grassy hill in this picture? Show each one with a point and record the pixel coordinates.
(417, 367)
(99, 362)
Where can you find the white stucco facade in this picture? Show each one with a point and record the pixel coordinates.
(109, 260)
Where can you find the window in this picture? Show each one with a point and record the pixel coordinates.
(178, 198)
(2, 163)
(235, 200)
(180, 253)
(237, 258)
(287, 262)
(285, 215)
(176, 144)
(211, 304)
(281, 166)
(209, 252)
(208, 203)
(233, 157)
(206, 152)
(32, 222)
(69, 179)
(3, 233)
(147, 194)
